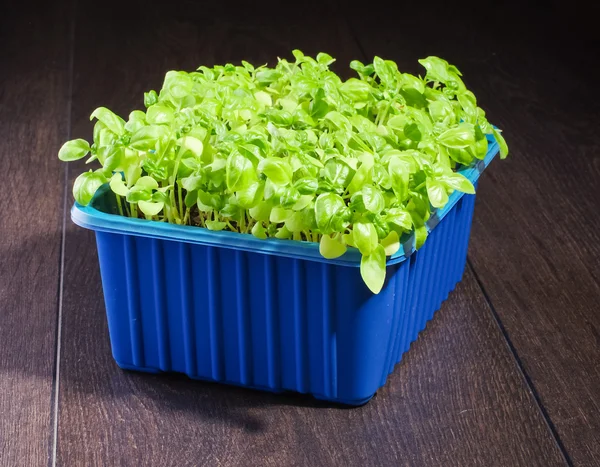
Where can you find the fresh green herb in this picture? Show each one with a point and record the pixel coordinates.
(294, 152)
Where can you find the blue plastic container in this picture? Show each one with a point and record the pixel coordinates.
(269, 314)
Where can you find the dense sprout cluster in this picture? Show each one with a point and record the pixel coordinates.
(293, 152)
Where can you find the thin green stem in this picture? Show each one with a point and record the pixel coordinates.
(418, 187)
(179, 189)
(119, 206)
(173, 180)
(243, 222)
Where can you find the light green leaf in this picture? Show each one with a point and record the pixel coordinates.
(436, 191)
(391, 243)
(420, 236)
(468, 102)
(372, 269)
(411, 130)
(295, 222)
(259, 231)
(150, 208)
(459, 137)
(328, 206)
(385, 71)
(194, 145)
(325, 59)
(298, 55)
(146, 137)
(240, 172)
(137, 194)
(437, 69)
(250, 196)
(302, 202)
(74, 150)
(331, 248)
(339, 120)
(458, 182)
(261, 212)
(400, 219)
(363, 173)
(112, 121)
(399, 171)
(117, 185)
(306, 186)
(215, 225)
(441, 110)
(191, 183)
(147, 182)
(372, 198)
(277, 170)
(150, 98)
(86, 185)
(264, 98)
(283, 233)
(279, 215)
(356, 89)
(412, 82)
(501, 142)
(364, 237)
(159, 114)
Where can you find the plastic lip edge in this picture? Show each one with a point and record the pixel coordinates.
(91, 218)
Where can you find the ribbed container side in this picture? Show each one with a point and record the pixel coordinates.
(272, 322)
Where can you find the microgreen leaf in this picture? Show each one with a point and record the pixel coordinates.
(391, 243)
(159, 114)
(215, 225)
(364, 237)
(147, 136)
(501, 142)
(86, 185)
(459, 137)
(112, 121)
(372, 198)
(259, 231)
(74, 150)
(372, 269)
(328, 209)
(331, 248)
(240, 172)
(436, 191)
(150, 208)
(277, 170)
(117, 185)
(458, 182)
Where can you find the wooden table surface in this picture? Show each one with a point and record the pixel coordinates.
(508, 373)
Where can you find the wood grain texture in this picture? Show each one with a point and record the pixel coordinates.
(456, 399)
(534, 244)
(33, 123)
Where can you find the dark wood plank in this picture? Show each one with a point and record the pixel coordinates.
(456, 399)
(34, 81)
(535, 242)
